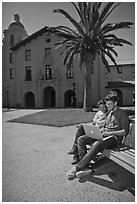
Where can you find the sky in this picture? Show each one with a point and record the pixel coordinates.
(35, 15)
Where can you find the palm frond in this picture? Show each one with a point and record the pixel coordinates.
(73, 51)
(104, 27)
(110, 12)
(112, 50)
(105, 62)
(80, 14)
(64, 34)
(66, 57)
(67, 30)
(94, 15)
(124, 41)
(111, 58)
(71, 59)
(76, 25)
(117, 26)
(85, 14)
(62, 42)
(104, 13)
(83, 10)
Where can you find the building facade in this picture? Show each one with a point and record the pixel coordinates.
(122, 81)
(34, 75)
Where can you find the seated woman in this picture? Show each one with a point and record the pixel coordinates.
(99, 119)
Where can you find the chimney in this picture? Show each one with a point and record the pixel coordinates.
(16, 18)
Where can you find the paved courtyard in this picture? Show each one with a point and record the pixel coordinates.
(35, 163)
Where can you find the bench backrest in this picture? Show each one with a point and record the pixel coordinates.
(129, 140)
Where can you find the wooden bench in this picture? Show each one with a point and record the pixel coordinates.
(124, 155)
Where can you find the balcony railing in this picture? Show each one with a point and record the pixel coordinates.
(47, 77)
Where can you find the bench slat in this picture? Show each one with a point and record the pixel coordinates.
(124, 155)
(125, 160)
(132, 150)
(129, 153)
(121, 156)
(125, 149)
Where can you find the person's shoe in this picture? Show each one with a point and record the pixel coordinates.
(75, 160)
(74, 150)
(85, 172)
(72, 174)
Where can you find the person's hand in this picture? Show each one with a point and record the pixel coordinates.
(102, 130)
(106, 134)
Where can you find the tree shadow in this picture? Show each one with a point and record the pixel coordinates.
(111, 175)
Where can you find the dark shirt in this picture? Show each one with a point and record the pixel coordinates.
(118, 120)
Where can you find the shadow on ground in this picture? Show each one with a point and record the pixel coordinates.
(118, 179)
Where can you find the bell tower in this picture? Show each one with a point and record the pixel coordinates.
(14, 34)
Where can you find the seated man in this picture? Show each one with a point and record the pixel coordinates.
(117, 125)
(99, 119)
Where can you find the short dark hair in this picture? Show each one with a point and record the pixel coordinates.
(101, 102)
(112, 97)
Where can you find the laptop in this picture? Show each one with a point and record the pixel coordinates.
(93, 131)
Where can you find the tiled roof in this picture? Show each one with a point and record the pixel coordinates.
(116, 84)
(122, 62)
(129, 82)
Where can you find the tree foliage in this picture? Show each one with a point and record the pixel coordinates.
(91, 34)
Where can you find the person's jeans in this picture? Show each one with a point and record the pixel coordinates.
(82, 141)
(80, 131)
(97, 146)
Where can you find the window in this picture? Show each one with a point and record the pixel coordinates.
(106, 82)
(28, 73)
(119, 69)
(48, 72)
(27, 55)
(48, 40)
(12, 40)
(106, 71)
(47, 52)
(11, 57)
(11, 73)
(70, 73)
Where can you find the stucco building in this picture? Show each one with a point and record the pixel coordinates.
(34, 76)
(122, 81)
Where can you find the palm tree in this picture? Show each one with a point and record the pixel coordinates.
(92, 36)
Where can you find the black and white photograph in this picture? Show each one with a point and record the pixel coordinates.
(68, 101)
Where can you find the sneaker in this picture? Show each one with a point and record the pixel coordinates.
(85, 172)
(74, 150)
(72, 174)
(75, 159)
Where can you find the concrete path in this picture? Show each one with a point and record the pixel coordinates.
(35, 163)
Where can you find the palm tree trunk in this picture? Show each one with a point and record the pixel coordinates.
(89, 66)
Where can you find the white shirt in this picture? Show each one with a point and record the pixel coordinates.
(100, 118)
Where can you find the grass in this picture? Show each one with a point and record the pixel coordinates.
(60, 117)
(57, 117)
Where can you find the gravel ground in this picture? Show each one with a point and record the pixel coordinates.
(35, 163)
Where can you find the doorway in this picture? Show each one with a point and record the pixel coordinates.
(49, 97)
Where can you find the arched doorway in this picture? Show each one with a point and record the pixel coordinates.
(49, 97)
(70, 99)
(29, 100)
(120, 96)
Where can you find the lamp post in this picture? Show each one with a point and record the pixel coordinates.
(74, 96)
(7, 90)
